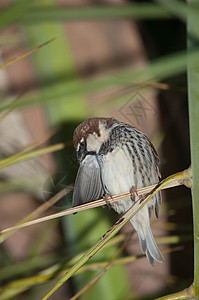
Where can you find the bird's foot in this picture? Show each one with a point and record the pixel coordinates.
(107, 200)
(133, 192)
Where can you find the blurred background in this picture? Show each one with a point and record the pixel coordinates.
(112, 58)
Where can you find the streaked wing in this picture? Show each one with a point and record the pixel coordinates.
(88, 184)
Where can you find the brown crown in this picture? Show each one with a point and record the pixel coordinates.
(89, 126)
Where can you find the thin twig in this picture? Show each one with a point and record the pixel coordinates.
(17, 58)
(86, 206)
(187, 175)
(41, 209)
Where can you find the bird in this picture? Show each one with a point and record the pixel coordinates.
(116, 158)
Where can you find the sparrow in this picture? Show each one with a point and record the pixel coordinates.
(116, 158)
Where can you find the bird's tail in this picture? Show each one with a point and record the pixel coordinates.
(147, 241)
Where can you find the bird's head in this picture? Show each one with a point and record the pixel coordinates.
(89, 136)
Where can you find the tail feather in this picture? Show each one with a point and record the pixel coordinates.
(157, 204)
(147, 242)
(150, 258)
(152, 247)
(143, 244)
(157, 209)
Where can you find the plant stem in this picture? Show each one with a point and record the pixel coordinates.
(193, 93)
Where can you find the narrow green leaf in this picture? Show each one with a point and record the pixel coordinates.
(158, 70)
(136, 11)
(14, 12)
(28, 155)
(27, 12)
(176, 7)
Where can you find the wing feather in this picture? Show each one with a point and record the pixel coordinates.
(88, 184)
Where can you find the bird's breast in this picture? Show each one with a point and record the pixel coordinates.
(117, 171)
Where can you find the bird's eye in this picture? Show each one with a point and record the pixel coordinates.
(82, 144)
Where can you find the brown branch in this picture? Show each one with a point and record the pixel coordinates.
(88, 205)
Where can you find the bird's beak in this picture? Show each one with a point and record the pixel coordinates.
(81, 155)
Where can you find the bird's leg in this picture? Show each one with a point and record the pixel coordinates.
(107, 200)
(133, 192)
